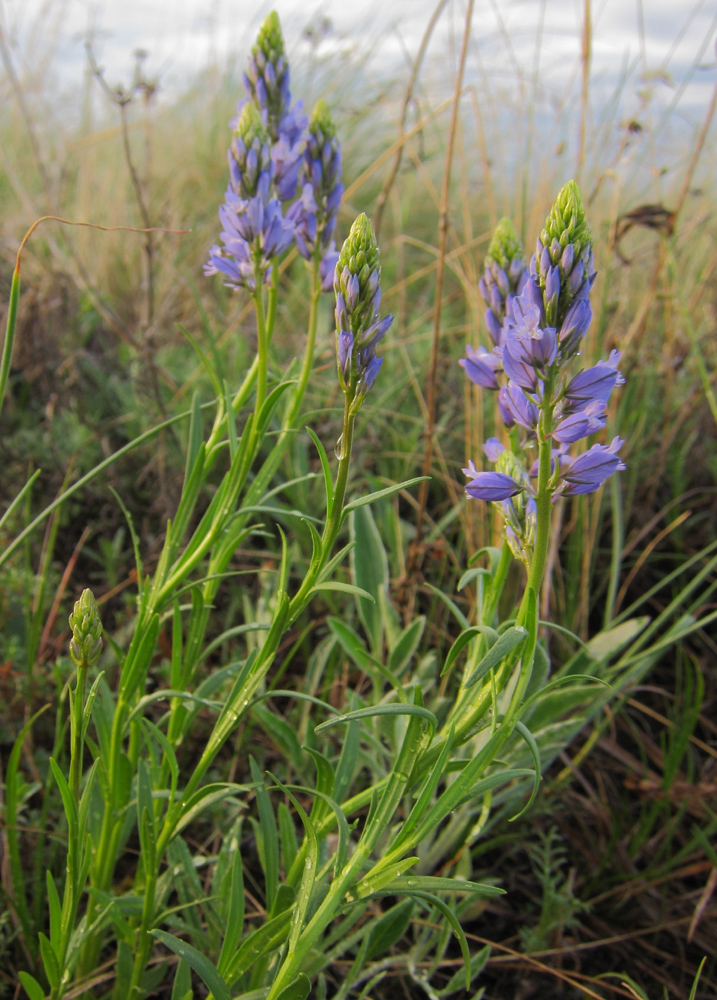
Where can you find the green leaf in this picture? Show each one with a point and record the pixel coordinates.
(328, 484)
(287, 836)
(133, 535)
(436, 883)
(231, 422)
(535, 753)
(458, 979)
(269, 835)
(270, 404)
(308, 877)
(182, 986)
(424, 799)
(269, 937)
(53, 901)
(352, 644)
(298, 990)
(606, 644)
(67, 800)
(508, 641)
(49, 961)
(235, 911)
(205, 363)
(32, 987)
(87, 711)
(281, 733)
(406, 646)
(344, 588)
(389, 929)
(169, 754)
(194, 442)
(380, 494)
(371, 883)
(471, 574)
(205, 797)
(366, 713)
(347, 761)
(491, 637)
(124, 967)
(205, 969)
(451, 605)
(369, 569)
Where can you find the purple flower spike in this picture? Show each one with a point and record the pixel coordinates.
(504, 276)
(358, 325)
(492, 486)
(590, 470)
(315, 212)
(481, 367)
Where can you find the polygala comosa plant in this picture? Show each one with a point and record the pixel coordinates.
(187, 855)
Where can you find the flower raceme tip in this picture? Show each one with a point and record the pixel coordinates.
(537, 323)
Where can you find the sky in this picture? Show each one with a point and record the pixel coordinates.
(666, 40)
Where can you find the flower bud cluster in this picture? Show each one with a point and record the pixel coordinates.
(563, 259)
(254, 229)
(505, 275)
(86, 626)
(267, 79)
(267, 84)
(314, 212)
(270, 152)
(541, 332)
(357, 285)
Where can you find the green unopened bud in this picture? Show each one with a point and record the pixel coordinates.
(251, 128)
(360, 252)
(270, 40)
(510, 465)
(566, 222)
(321, 120)
(86, 641)
(505, 245)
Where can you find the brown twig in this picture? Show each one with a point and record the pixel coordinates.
(443, 238)
(407, 97)
(585, 54)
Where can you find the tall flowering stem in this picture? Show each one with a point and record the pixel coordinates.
(85, 649)
(537, 319)
(359, 328)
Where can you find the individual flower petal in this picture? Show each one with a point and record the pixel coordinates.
(524, 411)
(596, 382)
(481, 367)
(590, 470)
(492, 449)
(492, 486)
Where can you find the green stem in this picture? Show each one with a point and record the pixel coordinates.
(262, 347)
(273, 299)
(543, 500)
(292, 411)
(9, 334)
(296, 606)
